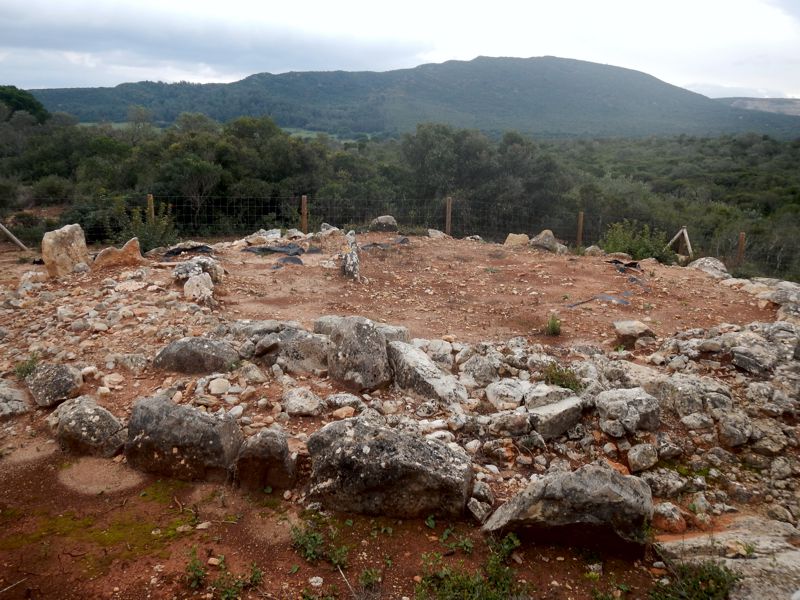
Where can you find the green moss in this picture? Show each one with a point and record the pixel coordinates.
(162, 491)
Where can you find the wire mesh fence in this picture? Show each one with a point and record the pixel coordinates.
(116, 219)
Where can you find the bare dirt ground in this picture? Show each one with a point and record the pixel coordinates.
(84, 528)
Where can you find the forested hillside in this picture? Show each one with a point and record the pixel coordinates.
(547, 97)
(249, 173)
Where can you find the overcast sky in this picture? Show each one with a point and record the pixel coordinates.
(716, 47)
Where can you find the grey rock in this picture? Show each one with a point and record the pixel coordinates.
(756, 359)
(12, 400)
(509, 423)
(480, 510)
(134, 363)
(553, 420)
(547, 241)
(664, 483)
(591, 495)
(415, 372)
(343, 399)
(86, 428)
(734, 429)
(302, 402)
(303, 352)
(506, 394)
(542, 394)
(63, 249)
(767, 437)
(695, 421)
(180, 441)
(687, 394)
(383, 223)
(710, 265)
(357, 356)
(641, 457)
(50, 384)
(361, 467)
(393, 333)
(761, 550)
(633, 409)
(482, 369)
(264, 460)
(248, 329)
(483, 492)
(196, 267)
(351, 263)
(196, 355)
(630, 331)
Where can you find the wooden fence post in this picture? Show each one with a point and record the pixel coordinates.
(740, 249)
(579, 238)
(13, 238)
(448, 216)
(304, 213)
(151, 209)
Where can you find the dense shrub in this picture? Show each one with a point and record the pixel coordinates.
(638, 241)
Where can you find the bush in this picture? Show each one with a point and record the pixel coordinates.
(52, 189)
(553, 326)
(639, 242)
(701, 581)
(152, 233)
(554, 374)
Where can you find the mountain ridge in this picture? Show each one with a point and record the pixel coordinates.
(544, 96)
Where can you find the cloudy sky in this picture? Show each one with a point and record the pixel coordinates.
(716, 47)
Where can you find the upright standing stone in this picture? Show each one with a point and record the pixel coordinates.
(63, 249)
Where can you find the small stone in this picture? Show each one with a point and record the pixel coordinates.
(344, 412)
(219, 386)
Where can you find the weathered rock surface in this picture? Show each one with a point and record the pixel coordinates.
(357, 355)
(196, 355)
(547, 241)
(181, 442)
(630, 331)
(383, 223)
(362, 467)
(713, 266)
(302, 402)
(591, 495)
(553, 420)
(628, 411)
(50, 384)
(763, 551)
(264, 460)
(516, 239)
(199, 288)
(642, 457)
(63, 249)
(130, 255)
(12, 400)
(304, 352)
(86, 428)
(414, 371)
(198, 265)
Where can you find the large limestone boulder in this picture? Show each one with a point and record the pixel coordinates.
(383, 223)
(304, 352)
(63, 249)
(264, 460)
(196, 355)
(180, 441)
(362, 467)
(547, 241)
(629, 331)
(517, 240)
(50, 384)
(710, 265)
(592, 495)
(129, 255)
(86, 428)
(415, 372)
(357, 355)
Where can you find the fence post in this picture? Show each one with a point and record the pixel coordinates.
(304, 213)
(448, 216)
(740, 249)
(151, 209)
(579, 238)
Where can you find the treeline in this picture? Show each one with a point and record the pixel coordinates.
(205, 171)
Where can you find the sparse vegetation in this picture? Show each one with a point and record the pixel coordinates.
(195, 572)
(555, 374)
(27, 367)
(553, 326)
(639, 241)
(697, 581)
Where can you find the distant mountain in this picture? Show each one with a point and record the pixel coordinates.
(785, 106)
(546, 97)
